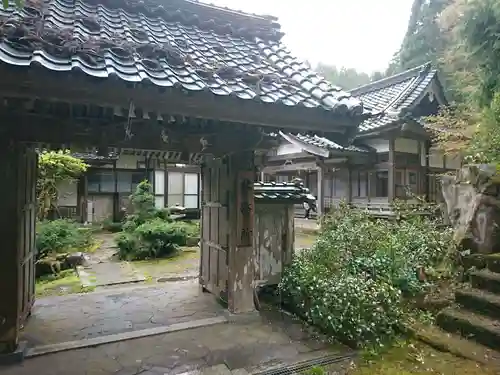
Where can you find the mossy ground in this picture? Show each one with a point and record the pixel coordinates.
(184, 263)
(67, 282)
(415, 358)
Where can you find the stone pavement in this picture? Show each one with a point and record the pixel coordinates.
(306, 225)
(103, 268)
(80, 316)
(238, 347)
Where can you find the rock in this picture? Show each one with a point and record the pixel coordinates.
(76, 259)
(192, 241)
(47, 266)
(473, 207)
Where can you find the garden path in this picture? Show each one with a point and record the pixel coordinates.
(104, 269)
(112, 311)
(239, 347)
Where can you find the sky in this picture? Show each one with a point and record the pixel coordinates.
(360, 34)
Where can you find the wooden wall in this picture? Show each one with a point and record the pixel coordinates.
(273, 242)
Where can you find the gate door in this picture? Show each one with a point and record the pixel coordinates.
(28, 164)
(215, 188)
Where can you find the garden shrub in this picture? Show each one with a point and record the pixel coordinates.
(351, 283)
(149, 232)
(112, 226)
(60, 236)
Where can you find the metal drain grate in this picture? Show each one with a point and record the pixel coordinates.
(298, 368)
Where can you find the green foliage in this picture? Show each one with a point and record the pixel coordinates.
(485, 144)
(480, 29)
(423, 41)
(351, 283)
(60, 236)
(18, 3)
(149, 232)
(54, 167)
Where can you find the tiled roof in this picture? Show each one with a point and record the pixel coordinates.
(322, 142)
(94, 157)
(392, 96)
(179, 43)
(279, 191)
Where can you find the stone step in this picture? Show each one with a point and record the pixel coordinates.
(493, 262)
(481, 261)
(482, 329)
(479, 301)
(486, 280)
(456, 345)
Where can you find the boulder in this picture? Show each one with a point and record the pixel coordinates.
(192, 241)
(472, 200)
(47, 266)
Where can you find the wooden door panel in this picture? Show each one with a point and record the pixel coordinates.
(215, 190)
(28, 164)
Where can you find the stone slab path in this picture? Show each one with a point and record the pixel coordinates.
(233, 348)
(103, 269)
(80, 316)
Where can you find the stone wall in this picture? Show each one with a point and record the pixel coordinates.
(472, 199)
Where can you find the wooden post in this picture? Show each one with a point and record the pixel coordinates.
(321, 192)
(10, 265)
(426, 171)
(349, 184)
(82, 198)
(241, 223)
(391, 173)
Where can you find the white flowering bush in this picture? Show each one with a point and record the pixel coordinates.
(350, 284)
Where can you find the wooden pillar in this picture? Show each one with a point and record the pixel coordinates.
(349, 184)
(424, 170)
(391, 172)
(321, 191)
(241, 223)
(82, 198)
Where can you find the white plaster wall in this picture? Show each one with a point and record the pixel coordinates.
(381, 145)
(423, 156)
(67, 193)
(407, 145)
(128, 161)
(435, 159)
(288, 149)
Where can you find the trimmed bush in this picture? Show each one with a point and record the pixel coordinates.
(149, 232)
(61, 236)
(351, 283)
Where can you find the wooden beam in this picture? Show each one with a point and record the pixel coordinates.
(34, 83)
(31, 128)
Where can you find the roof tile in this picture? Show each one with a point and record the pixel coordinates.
(323, 142)
(194, 46)
(279, 191)
(393, 95)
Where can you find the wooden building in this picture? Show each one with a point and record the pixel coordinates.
(177, 76)
(391, 156)
(104, 190)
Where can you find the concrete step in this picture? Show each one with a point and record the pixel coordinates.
(479, 301)
(482, 329)
(486, 280)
